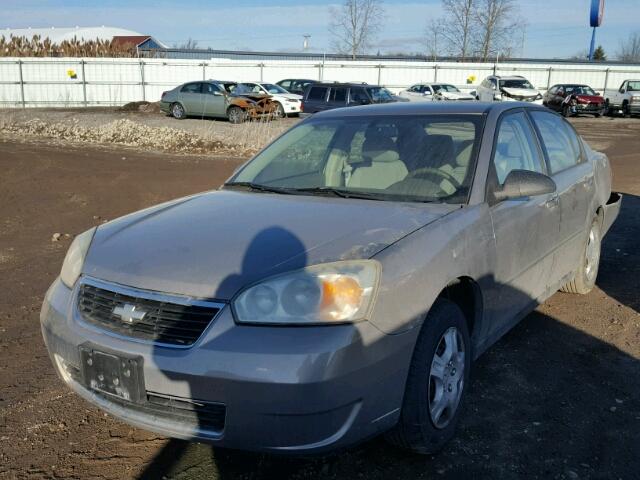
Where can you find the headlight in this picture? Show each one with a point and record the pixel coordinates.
(329, 293)
(73, 261)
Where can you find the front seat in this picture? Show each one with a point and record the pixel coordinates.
(382, 165)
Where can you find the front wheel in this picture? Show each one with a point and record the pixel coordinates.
(236, 115)
(587, 271)
(566, 111)
(279, 111)
(626, 111)
(438, 375)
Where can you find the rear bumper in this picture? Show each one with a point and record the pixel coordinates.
(611, 211)
(292, 390)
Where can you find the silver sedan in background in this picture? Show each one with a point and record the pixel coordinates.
(339, 285)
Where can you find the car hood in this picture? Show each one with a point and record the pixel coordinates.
(590, 98)
(292, 96)
(520, 92)
(212, 244)
(457, 96)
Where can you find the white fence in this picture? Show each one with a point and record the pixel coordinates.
(41, 82)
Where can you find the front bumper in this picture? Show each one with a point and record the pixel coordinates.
(280, 389)
(292, 107)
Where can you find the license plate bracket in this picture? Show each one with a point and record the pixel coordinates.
(113, 374)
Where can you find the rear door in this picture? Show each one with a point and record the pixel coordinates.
(525, 229)
(337, 97)
(358, 96)
(575, 184)
(192, 98)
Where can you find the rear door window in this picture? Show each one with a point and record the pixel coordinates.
(317, 93)
(192, 88)
(286, 84)
(338, 95)
(559, 140)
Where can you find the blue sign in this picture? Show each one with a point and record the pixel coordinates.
(597, 11)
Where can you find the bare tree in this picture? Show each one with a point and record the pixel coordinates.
(629, 50)
(434, 34)
(354, 24)
(190, 44)
(498, 23)
(457, 26)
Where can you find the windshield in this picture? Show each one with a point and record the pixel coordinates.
(380, 94)
(271, 88)
(425, 158)
(580, 90)
(515, 83)
(445, 88)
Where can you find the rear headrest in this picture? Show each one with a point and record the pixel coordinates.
(379, 149)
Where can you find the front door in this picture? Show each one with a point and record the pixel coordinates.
(525, 229)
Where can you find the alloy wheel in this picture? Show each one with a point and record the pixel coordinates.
(592, 254)
(446, 377)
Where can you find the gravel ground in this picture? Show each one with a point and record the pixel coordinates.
(146, 129)
(556, 398)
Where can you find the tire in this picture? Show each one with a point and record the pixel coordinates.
(177, 111)
(279, 111)
(566, 111)
(625, 110)
(236, 115)
(418, 429)
(607, 109)
(587, 271)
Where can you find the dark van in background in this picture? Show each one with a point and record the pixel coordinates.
(326, 96)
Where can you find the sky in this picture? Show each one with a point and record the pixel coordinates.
(555, 28)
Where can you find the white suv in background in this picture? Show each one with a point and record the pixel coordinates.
(286, 103)
(511, 88)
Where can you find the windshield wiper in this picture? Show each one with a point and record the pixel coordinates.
(341, 193)
(261, 188)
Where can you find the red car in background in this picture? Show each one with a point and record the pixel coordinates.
(570, 99)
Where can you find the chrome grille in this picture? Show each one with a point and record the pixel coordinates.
(162, 321)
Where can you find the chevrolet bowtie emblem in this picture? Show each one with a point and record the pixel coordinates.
(129, 313)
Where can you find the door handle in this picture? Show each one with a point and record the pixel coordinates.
(552, 202)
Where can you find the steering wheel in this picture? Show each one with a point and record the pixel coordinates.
(435, 172)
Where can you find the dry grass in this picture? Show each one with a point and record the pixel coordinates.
(244, 139)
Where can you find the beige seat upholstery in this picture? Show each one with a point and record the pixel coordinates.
(459, 170)
(382, 165)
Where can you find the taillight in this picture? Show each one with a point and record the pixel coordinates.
(302, 106)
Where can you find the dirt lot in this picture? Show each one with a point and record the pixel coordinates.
(558, 397)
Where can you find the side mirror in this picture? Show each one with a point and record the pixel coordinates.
(216, 93)
(426, 92)
(525, 183)
(621, 90)
(364, 101)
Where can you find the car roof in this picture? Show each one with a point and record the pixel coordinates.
(509, 77)
(425, 108)
(345, 84)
